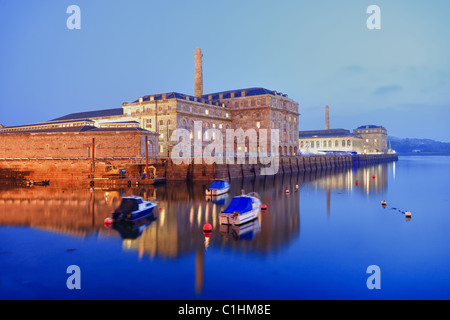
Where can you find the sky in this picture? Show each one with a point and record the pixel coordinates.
(317, 52)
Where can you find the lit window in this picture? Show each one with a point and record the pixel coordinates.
(226, 115)
(258, 124)
(207, 111)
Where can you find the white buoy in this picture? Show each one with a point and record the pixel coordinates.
(296, 186)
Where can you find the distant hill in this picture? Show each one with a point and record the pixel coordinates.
(419, 146)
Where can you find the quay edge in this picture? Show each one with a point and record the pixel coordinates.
(79, 171)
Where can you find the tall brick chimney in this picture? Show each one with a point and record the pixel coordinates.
(327, 118)
(198, 89)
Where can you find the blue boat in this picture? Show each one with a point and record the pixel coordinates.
(241, 209)
(132, 208)
(217, 187)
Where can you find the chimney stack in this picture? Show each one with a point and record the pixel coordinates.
(198, 73)
(327, 118)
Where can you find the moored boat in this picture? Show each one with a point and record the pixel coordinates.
(132, 208)
(241, 209)
(218, 187)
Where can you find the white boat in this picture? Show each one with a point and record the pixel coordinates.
(241, 209)
(132, 208)
(218, 187)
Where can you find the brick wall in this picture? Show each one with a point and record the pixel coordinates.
(72, 144)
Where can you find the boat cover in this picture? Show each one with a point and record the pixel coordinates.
(240, 204)
(217, 184)
(127, 206)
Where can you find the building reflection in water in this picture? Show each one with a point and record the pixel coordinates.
(177, 228)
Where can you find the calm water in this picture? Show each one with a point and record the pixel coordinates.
(315, 243)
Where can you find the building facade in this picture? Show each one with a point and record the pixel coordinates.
(329, 141)
(374, 138)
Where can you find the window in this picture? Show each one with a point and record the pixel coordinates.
(343, 143)
(226, 115)
(336, 144)
(258, 124)
(329, 144)
(161, 148)
(348, 143)
(207, 111)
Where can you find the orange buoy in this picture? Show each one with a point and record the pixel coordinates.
(287, 191)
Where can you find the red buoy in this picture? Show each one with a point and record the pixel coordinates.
(373, 177)
(356, 182)
(263, 207)
(159, 208)
(287, 191)
(207, 228)
(108, 222)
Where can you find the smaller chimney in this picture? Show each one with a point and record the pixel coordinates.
(327, 118)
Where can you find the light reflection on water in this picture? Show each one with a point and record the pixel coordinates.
(175, 232)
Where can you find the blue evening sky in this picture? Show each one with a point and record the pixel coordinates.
(317, 52)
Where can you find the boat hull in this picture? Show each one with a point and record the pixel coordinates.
(216, 192)
(241, 218)
(120, 216)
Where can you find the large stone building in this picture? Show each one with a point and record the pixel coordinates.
(374, 138)
(252, 108)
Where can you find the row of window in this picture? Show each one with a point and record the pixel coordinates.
(325, 144)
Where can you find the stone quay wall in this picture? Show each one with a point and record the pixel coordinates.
(74, 171)
(287, 165)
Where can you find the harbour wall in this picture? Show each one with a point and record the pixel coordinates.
(81, 170)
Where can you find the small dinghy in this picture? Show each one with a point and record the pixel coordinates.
(218, 187)
(241, 209)
(132, 208)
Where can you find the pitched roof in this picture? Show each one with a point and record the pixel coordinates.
(92, 114)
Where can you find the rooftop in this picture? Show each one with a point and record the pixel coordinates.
(212, 97)
(92, 114)
(325, 133)
(369, 126)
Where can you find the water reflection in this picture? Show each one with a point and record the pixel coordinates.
(176, 228)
